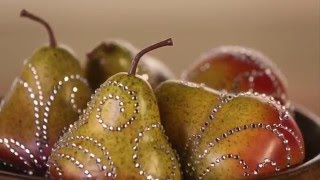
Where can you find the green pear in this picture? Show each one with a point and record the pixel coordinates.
(228, 136)
(119, 136)
(114, 56)
(49, 95)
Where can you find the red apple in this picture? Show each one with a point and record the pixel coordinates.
(238, 69)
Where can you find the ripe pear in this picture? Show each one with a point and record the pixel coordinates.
(114, 56)
(49, 94)
(239, 69)
(119, 136)
(228, 136)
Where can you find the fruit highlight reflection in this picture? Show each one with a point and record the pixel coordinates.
(228, 136)
(119, 135)
(239, 69)
(49, 94)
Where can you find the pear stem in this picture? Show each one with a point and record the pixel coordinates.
(52, 40)
(135, 61)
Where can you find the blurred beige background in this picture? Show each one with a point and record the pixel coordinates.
(287, 31)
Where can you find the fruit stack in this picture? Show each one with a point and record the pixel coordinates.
(227, 118)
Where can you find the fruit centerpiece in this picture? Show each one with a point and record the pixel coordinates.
(228, 117)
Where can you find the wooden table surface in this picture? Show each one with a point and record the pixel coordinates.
(287, 31)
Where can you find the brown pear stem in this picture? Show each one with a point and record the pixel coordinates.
(52, 40)
(135, 61)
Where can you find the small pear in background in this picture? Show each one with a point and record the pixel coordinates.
(49, 94)
(238, 69)
(119, 136)
(228, 136)
(114, 56)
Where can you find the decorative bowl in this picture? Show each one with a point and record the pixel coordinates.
(309, 124)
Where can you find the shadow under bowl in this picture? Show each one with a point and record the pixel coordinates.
(309, 124)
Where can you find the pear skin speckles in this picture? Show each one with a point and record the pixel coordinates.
(46, 97)
(119, 136)
(253, 127)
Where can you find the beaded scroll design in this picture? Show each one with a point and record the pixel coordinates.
(276, 129)
(250, 76)
(105, 165)
(41, 109)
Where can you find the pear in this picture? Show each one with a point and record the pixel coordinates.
(114, 56)
(119, 136)
(228, 136)
(49, 94)
(239, 69)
